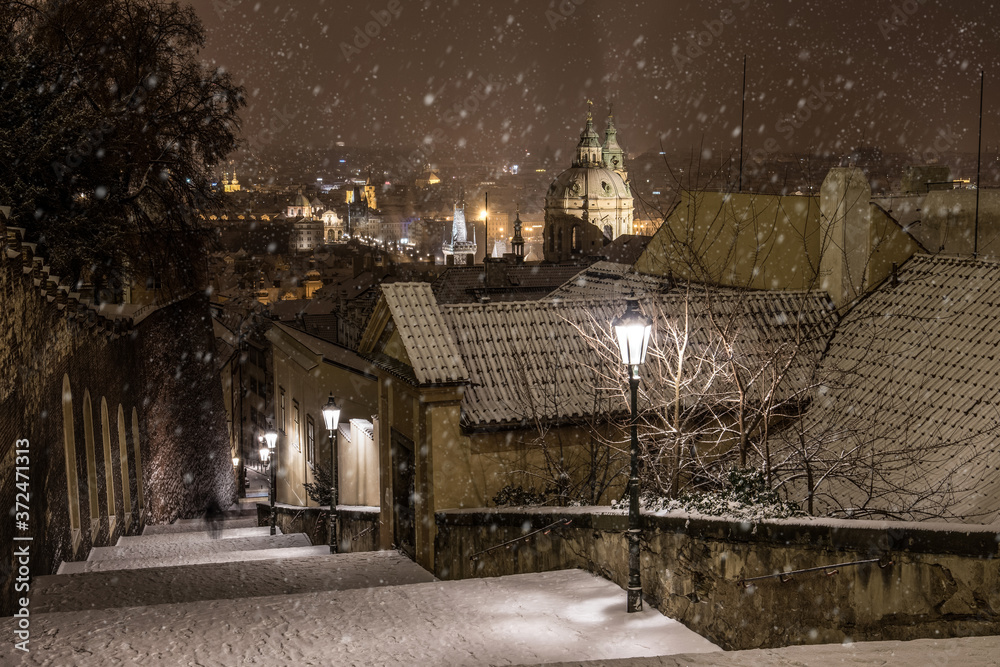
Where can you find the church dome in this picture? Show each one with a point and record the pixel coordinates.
(591, 202)
(590, 182)
(301, 200)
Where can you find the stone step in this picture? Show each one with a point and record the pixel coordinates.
(77, 567)
(223, 581)
(172, 549)
(196, 525)
(188, 537)
(566, 616)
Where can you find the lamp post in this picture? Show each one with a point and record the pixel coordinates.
(331, 415)
(633, 329)
(271, 437)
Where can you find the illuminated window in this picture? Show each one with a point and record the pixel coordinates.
(296, 432)
(310, 439)
(282, 415)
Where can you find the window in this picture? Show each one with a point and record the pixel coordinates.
(281, 415)
(310, 439)
(296, 433)
(575, 238)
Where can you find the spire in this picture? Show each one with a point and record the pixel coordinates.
(459, 233)
(588, 151)
(517, 241)
(611, 153)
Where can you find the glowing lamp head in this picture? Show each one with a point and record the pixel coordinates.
(632, 329)
(236, 461)
(331, 413)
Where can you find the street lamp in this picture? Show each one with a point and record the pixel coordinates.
(331, 415)
(271, 437)
(633, 329)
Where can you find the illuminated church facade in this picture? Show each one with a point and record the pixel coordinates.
(590, 203)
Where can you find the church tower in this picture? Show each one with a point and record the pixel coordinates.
(590, 203)
(588, 151)
(459, 247)
(612, 153)
(517, 241)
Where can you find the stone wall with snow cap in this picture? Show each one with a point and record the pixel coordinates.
(921, 580)
(154, 378)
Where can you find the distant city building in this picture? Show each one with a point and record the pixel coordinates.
(591, 202)
(300, 207)
(427, 178)
(459, 247)
(313, 224)
(230, 185)
(363, 220)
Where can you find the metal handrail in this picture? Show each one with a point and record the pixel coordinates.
(544, 529)
(829, 570)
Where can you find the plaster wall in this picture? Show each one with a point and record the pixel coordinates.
(738, 239)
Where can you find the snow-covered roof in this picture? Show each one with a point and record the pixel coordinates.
(528, 360)
(507, 282)
(913, 381)
(612, 280)
(425, 336)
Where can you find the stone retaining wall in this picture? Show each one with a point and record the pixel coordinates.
(358, 527)
(160, 368)
(943, 581)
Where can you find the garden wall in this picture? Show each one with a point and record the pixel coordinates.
(943, 580)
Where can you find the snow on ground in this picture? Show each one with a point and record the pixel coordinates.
(158, 549)
(77, 567)
(196, 525)
(187, 537)
(216, 581)
(531, 618)
(964, 652)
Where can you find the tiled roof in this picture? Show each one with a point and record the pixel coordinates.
(426, 337)
(508, 282)
(531, 360)
(609, 280)
(913, 375)
(626, 249)
(327, 348)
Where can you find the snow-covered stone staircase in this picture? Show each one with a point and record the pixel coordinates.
(241, 596)
(191, 559)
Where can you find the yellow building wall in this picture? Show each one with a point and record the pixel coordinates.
(740, 239)
(358, 462)
(455, 470)
(311, 387)
(890, 245)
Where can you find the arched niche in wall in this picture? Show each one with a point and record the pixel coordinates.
(69, 447)
(109, 469)
(88, 438)
(138, 464)
(123, 466)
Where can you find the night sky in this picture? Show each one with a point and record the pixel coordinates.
(496, 79)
